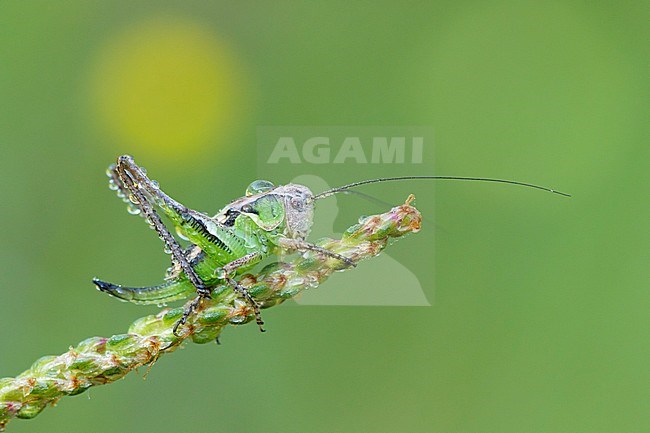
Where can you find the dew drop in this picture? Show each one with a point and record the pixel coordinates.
(259, 186)
(132, 209)
(133, 199)
(112, 185)
(220, 273)
(167, 249)
(181, 235)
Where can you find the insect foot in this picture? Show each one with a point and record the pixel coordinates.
(191, 308)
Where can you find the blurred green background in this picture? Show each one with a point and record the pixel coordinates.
(540, 306)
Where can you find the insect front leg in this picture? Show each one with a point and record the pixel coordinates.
(302, 246)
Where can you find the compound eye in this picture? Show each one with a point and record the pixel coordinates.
(259, 186)
(297, 203)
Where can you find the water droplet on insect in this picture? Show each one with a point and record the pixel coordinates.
(133, 199)
(220, 273)
(259, 186)
(120, 194)
(181, 235)
(109, 170)
(112, 185)
(167, 249)
(132, 209)
(155, 184)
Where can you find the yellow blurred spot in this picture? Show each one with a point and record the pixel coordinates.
(169, 88)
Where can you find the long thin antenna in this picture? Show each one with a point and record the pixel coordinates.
(333, 191)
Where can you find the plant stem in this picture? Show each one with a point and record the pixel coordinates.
(101, 360)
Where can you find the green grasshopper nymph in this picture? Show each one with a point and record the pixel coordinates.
(268, 220)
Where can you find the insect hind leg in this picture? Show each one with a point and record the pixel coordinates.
(140, 188)
(138, 185)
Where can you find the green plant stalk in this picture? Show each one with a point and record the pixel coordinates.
(100, 360)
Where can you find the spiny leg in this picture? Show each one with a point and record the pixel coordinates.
(142, 201)
(124, 172)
